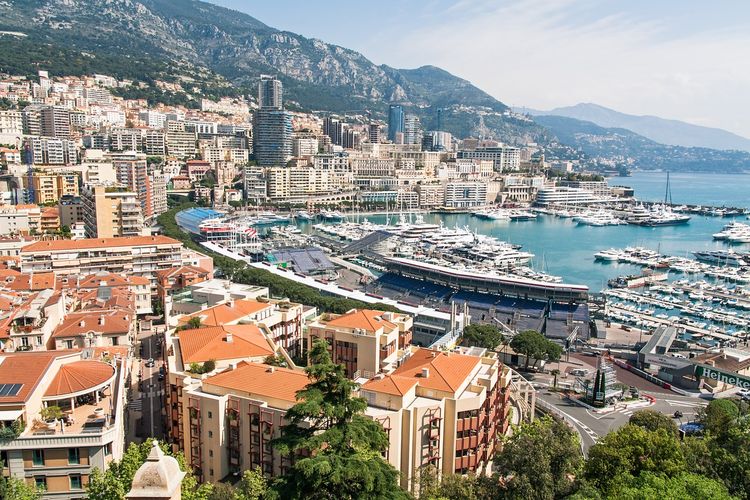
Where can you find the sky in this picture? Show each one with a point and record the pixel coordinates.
(682, 59)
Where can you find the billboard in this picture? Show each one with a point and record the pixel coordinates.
(712, 373)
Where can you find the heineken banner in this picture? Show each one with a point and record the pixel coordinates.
(712, 373)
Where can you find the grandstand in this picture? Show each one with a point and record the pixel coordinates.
(308, 261)
(554, 319)
(412, 287)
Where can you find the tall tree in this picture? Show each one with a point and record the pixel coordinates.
(13, 488)
(487, 336)
(719, 415)
(653, 420)
(629, 451)
(336, 450)
(539, 460)
(534, 346)
(648, 486)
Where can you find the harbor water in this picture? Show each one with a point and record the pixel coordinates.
(564, 248)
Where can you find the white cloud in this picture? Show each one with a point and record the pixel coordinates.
(544, 54)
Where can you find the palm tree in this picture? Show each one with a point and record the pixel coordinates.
(555, 373)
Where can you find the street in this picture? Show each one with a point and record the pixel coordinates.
(148, 401)
(592, 425)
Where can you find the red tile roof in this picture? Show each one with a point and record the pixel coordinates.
(445, 372)
(259, 381)
(79, 376)
(26, 368)
(367, 319)
(112, 322)
(63, 245)
(200, 345)
(224, 313)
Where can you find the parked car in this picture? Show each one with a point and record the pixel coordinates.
(744, 394)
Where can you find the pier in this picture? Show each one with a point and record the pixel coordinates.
(688, 328)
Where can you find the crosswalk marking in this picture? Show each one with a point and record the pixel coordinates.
(695, 404)
(136, 404)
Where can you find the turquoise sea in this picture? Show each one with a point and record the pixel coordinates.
(564, 248)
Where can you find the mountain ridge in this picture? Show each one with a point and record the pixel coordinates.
(628, 149)
(662, 130)
(238, 48)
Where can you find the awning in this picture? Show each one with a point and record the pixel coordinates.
(9, 415)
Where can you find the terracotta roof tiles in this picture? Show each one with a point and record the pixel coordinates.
(63, 245)
(258, 380)
(79, 376)
(201, 344)
(225, 313)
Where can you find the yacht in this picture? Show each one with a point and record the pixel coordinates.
(304, 215)
(611, 255)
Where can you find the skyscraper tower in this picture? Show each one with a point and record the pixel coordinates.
(272, 126)
(395, 121)
(269, 92)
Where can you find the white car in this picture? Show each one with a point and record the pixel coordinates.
(744, 394)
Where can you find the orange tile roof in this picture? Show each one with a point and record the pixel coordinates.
(79, 376)
(259, 381)
(77, 324)
(223, 313)
(33, 282)
(26, 206)
(366, 319)
(392, 384)
(5, 273)
(25, 368)
(447, 371)
(63, 245)
(200, 345)
(176, 271)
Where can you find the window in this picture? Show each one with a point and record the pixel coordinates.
(210, 434)
(210, 472)
(69, 344)
(210, 453)
(37, 457)
(75, 482)
(210, 415)
(40, 482)
(74, 456)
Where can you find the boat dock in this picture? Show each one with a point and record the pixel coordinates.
(695, 330)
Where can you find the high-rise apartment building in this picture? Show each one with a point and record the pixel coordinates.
(373, 133)
(395, 121)
(412, 130)
(334, 128)
(136, 255)
(111, 212)
(132, 172)
(51, 186)
(272, 135)
(269, 92)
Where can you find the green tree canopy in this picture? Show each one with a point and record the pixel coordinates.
(487, 336)
(650, 486)
(653, 420)
(540, 460)
(115, 482)
(534, 346)
(629, 451)
(336, 449)
(719, 415)
(13, 488)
